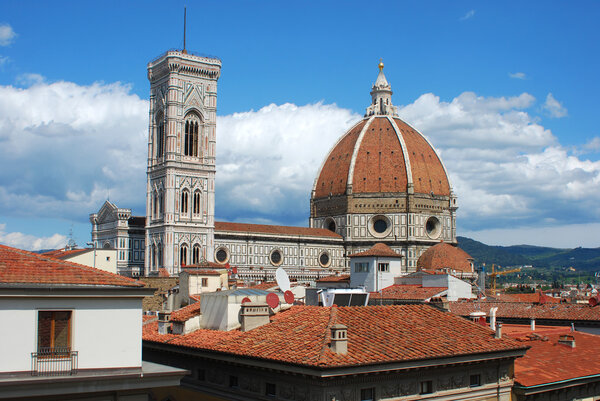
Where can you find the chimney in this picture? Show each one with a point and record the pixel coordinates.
(567, 340)
(493, 317)
(532, 324)
(253, 315)
(498, 330)
(339, 339)
(163, 322)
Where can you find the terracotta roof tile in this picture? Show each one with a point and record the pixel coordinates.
(547, 361)
(523, 310)
(269, 229)
(379, 249)
(186, 313)
(61, 253)
(407, 292)
(536, 297)
(22, 267)
(376, 334)
(265, 285)
(203, 272)
(445, 256)
(380, 166)
(334, 278)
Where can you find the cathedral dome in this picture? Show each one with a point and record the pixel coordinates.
(445, 256)
(382, 154)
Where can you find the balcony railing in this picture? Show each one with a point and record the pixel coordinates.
(54, 362)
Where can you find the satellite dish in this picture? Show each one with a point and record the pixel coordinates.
(272, 300)
(246, 299)
(289, 297)
(283, 281)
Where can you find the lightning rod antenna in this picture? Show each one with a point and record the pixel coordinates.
(184, 23)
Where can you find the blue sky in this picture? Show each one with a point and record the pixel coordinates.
(506, 91)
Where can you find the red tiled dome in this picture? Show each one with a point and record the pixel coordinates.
(445, 256)
(382, 154)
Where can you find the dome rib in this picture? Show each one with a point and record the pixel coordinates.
(355, 152)
(409, 178)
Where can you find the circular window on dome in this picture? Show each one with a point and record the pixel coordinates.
(324, 259)
(329, 224)
(380, 226)
(433, 227)
(222, 255)
(276, 258)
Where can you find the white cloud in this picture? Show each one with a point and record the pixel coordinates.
(267, 159)
(4, 60)
(470, 14)
(7, 35)
(554, 107)
(30, 79)
(63, 147)
(31, 242)
(518, 75)
(593, 144)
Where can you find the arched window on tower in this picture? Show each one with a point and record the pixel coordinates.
(160, 135)
(153, 257)
(159, 256)
(183, 252)
(185, 195)
(155, 205)
(197, 203)
(193, 122)
(161, 204)
(196, 254)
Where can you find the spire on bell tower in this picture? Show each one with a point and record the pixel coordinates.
(381, 96)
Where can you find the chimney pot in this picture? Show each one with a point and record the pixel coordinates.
(339, 339)
(567, 340)
(253, 315)
(498, 330)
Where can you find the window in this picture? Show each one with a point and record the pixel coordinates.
(233, 381)
(475, 380)
(276, 258)
(183, 255)
(361, 267)
(222, 255)
(324, 259)
(196, 254)
(367, 394)
(270, 389)
(190, 145)
(155, 205)
(54, 331)
(383, 267)
(426, 387)
(160, 136)
(159, 256)
(197, 203)
(204, 282)
(184, 201)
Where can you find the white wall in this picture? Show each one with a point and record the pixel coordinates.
(373, 280)
(106, 259)
(107, 333)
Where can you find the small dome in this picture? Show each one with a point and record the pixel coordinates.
(382, 154)
(445, 256)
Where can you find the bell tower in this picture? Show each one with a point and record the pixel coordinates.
(180, 200)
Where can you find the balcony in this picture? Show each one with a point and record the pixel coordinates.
(54, 362)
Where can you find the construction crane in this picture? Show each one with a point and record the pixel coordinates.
(495, 274)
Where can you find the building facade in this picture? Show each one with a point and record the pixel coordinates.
(181, 160)
(381, 182)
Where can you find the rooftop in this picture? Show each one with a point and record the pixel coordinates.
(22, 267)
(522, 310)
(379, 249)
(278, 230)
(408, 292)
(334, 278)
(548, 361)
(376, 334)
